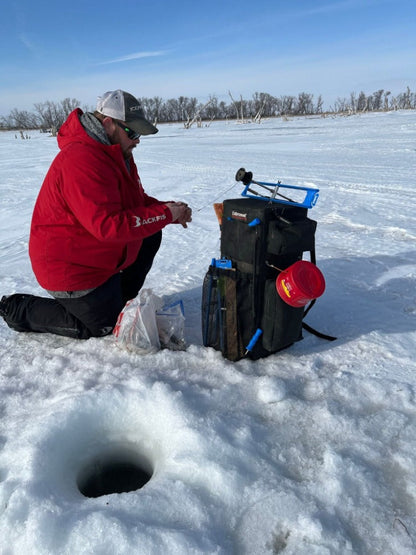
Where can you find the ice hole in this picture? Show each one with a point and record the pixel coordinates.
(114, 470)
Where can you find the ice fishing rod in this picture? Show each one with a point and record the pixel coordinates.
(307, 195)
(247, 179)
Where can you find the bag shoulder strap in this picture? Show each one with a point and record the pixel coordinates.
(306, 326)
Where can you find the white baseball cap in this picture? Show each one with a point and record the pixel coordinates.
(125, 107)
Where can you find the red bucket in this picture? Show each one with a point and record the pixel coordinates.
(300, 283)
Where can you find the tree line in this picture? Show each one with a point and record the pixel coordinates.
(188, 110)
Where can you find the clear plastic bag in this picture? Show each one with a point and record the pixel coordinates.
(146, 324)
(170, 320)
(136, 328)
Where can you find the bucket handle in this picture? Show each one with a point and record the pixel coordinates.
(275, 267)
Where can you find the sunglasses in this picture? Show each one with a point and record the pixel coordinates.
(132, 135)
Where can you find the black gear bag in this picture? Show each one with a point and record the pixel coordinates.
(242, 312)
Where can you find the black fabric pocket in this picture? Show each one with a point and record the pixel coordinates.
(289, 238)
(239, 243)
(281, 323)
(212, 326)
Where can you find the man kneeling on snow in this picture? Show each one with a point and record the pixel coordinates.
(94, 231)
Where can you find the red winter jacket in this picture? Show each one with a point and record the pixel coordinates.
(91, 214)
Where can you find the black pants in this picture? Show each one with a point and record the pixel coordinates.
(92, 315)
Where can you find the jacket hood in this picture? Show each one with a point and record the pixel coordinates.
(72, 131)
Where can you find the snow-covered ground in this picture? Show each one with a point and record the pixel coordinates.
(309, 451)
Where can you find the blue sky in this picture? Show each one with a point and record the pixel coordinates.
(51, 50)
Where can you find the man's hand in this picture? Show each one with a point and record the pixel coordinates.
(181, 213)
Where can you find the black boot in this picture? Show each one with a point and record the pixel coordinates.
(23, 312)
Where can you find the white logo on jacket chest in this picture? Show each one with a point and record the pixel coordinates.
(151, 220)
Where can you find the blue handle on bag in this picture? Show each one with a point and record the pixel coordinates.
(254, 340)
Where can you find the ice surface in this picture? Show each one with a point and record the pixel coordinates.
(309, 451)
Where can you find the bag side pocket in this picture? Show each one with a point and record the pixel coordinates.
(288, 238)
(211, 310)
(281, 323)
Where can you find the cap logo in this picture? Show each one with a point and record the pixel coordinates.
(134, 108)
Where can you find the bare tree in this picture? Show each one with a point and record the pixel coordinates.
(287, 104)
(362, 103)
(68, 105)
(353, 102)
(407, 97)
(50, 114)
(386, 100)
(377, 100)
(190, 121)
(263, 105)
(22, 119)
(212, 110)
(152, 108)
(190, 107)
(319, 105)
(341, 105)
(239, 107)
(304, 104)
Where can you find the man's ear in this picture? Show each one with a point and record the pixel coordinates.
(108, 125)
